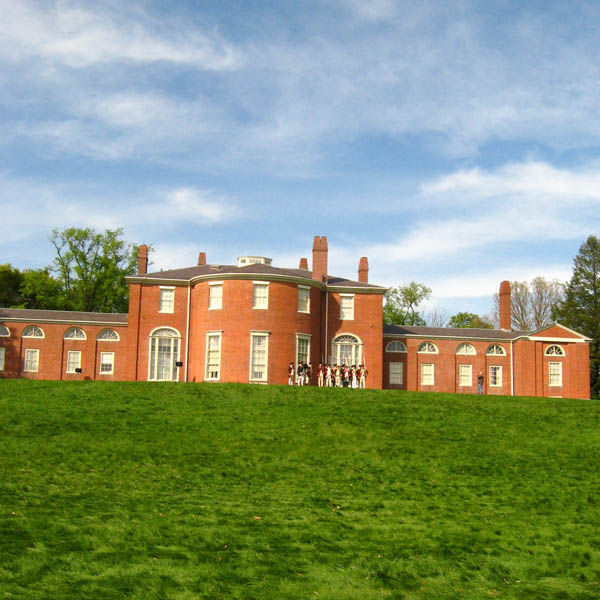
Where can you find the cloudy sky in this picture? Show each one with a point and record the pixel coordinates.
(453, 143)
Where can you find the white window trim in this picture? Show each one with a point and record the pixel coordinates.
(555, 355)
(112, 363)
(2, 357)
(461, 350)
(488, 353)
(150, 336)
(34, 337)
(210, 334)
(559, 384)
(387, 347)
(432, 365)
(401, 373)
(303, 336)
(108, 340)
(254, 334)
(265, 284)
(470, 370)
(499, 384)
(77, 339)
(347, 296)
(4, 328)
(214, 284)
(419, 351)
(78, 365)
(35, 352)
(166, 288)
(307, 288)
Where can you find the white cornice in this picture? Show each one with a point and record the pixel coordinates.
(63, 321)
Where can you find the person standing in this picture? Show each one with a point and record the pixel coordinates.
(307, 373)
(320, 375)
(362, 380)
(291, 373)
(480, 383)
(300, 374)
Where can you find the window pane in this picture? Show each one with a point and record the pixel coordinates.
(303, 300)
(213, 356)
(73, 360)
(215, 299)
(261, 296)
(167, 298)
(555, 373)
(346, 307)
(107, 362)
(302, 350)
(258, 358)
(426, 374)
(2, 353)
(495, 376)
(465, 375)
(396, 373)
(31, 360)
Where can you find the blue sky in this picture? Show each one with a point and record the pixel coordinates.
(455, 144)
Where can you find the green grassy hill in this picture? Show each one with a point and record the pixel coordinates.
(181, 491)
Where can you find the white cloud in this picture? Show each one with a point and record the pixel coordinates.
(198, 206)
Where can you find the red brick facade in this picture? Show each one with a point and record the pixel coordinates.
(256, 319)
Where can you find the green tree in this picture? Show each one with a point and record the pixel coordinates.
(91, 268)
(580, 309)
(40, 290)
(401, 304)
(10, 283)
(468, 319)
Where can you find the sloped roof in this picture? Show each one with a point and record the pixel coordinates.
(31, 314)
(458, 332)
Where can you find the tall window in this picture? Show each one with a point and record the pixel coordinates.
(467, 349)
(33, 331)
(347, 307)
(215, 296)
(108, 335)
(396, 373)
(555, 373)
(261, 296)
(75, 333)
(303, 299)
(4, 331)
(427, 371)
(164, 353)
(107, 363)
(346, 350)
(495, 376)
(259, 351)
(302, 348)
(395, 347)
(2, 353)
(465, 375)
(73, 360)
(32, 359)
(167, 300)
(213, 356)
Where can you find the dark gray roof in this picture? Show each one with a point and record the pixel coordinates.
(188, 273)
(61, 315)
(464, 332)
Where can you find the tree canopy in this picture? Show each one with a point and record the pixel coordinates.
(401, 304)
(468, 319)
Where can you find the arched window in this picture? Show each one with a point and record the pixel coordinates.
(427, 348)
(346, 350)
(395, 347)
(554, 350)
(496, 350)
(164, 354)
(75, 333)
(108, 335)
(32, 331)
(466, 349)
(4, 331)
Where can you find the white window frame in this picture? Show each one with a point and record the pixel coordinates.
(215, 302)
(304, 305)
(465, 375)
(395, 344)
(33, 328)
(304, 337)
(492, 350)
(110, 362)
(427, 378)
(343, 339)
(75, 333)
(207, 364)
(399, 374)
(427, 347)
(34, 363)
(256, 286)
(4, 331)
(498, 377)
(173, 338)
(73, 361)
(108, 339)
(555, 379)
(346, 313)
(2, 357)
(166, 301)
(466, 349)
(551, 352)
(255, 335)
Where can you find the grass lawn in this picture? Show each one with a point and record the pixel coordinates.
(173, 491)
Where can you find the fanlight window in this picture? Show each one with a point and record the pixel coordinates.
(427, 348)
(4, 332)
(466, 349)
(496, 350)
(33, 331)
(346, 350)
(554, 350)
(75, 333)
(395, 347)
(164, 354)
(108, 335)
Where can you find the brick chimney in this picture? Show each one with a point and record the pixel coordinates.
(319, 261)
(303, 264)
(201, 259)
(363, 270)
(505, 311)
(142, 259)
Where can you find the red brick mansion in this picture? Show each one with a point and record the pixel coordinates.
(247, 322)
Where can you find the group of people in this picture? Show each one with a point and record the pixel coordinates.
(328, 375)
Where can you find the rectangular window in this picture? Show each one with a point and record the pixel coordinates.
(107, 363)
(261, 296)
(32, 359)
(215, 296)
(465, 375)
(302, 349)
(167, 300)
(347, 307)
(73, 360)
(213, 356)
(259, 351)
(2, 353)
(396, 373)
(495, 376)
(555, 373)
(303, 299)
(427, 374)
